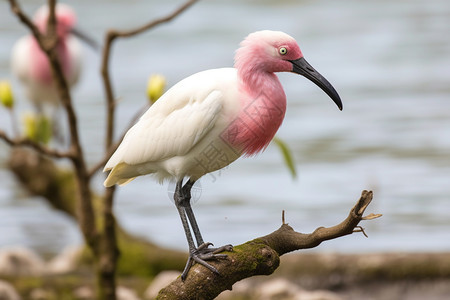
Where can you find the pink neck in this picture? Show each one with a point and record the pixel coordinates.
(40, 66)
(263, 106)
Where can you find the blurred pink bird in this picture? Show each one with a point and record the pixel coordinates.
(31, 66)
(208, 120)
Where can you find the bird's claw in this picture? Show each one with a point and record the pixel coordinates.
(202, 254)
(228, 248)
(203, 249)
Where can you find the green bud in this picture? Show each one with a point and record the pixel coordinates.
(29, 124)
(6, 95)
(44, 129)
(37, 128)
(155, 87)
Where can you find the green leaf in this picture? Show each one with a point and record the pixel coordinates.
(287, 156)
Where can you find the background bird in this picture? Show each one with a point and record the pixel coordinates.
(31, 66)
(208, 120)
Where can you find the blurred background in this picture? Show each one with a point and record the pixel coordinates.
(390, 62)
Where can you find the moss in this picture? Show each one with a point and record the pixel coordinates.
(264, 261)
(141, 258)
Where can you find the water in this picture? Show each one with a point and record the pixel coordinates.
(390, 62)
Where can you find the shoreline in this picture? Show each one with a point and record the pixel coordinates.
(373, 276)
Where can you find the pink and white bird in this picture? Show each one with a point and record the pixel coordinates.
(31, 66)
(208, 120)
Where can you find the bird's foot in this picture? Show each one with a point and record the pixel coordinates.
(204, 253)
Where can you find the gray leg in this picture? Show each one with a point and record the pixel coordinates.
(190, 213)
(201, 253)
(178, 197)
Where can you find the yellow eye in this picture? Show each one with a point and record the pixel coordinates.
(283, 51)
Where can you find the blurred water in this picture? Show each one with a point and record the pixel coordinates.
(390, 62)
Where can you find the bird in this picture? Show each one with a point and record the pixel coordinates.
(31, 66)
(208, 120)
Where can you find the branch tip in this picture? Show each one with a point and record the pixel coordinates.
(360, 229)
(363, 202)
(371, 216)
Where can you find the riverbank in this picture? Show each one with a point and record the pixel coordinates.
(326, 276)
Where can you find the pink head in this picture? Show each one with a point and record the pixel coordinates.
(65, 19)
(275, 51)
(268, 51)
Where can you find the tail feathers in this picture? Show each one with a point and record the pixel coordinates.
(112, 181)
(115, 177)
(125, 181)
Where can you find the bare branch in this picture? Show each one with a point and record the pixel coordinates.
(109, 39)
(259, 256)
(15, 8)
(48, 43)
(154, 23)
(25, 142)
(292, 240)
(51, 22)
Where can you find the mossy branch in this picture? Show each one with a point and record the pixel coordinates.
(261, 256)
(42, 177)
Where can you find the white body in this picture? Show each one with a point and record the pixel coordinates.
(179, 135)
(35, 90)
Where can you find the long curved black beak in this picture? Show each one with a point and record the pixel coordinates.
(302, 67)
(85, 38)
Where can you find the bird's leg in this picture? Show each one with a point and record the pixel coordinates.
(190, 213)
(178, 198)
(201, 253)
(202, 246)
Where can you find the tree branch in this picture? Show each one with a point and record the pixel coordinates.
(15, 8)
(260, 256)
(110, 37)
(48, 42)
(25, 142)
(101, 238)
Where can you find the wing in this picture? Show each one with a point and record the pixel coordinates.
(169, 128)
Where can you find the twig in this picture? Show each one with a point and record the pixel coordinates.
(109, 39)
(15, 8)
(294, 240)
(25, 142)
(154, 23)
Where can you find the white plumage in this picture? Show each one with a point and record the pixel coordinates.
(185, 121)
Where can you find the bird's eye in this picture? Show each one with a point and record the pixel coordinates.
(283, 51)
